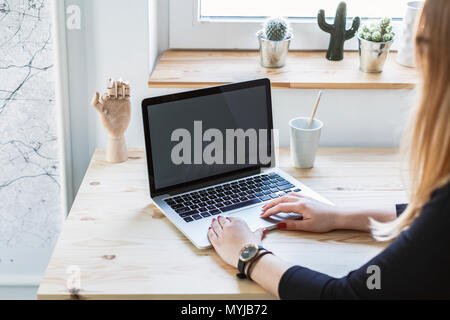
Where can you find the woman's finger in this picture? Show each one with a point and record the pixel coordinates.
(296, 194)
(235, 219)
(223, 221)
(289, 207)
(277, 201)
(216, 227)
(212, 235)
(295, 225)
(299, 196)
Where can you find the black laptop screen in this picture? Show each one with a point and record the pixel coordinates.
(197, 137)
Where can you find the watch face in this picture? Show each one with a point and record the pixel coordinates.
(248, 253)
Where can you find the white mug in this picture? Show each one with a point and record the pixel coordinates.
(304, 141)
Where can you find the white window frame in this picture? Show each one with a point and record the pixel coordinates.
(188, 31)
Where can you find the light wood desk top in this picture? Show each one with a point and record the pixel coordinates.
(126, 248)
(303, 70)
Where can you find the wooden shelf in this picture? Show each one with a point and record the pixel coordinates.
(304, 70)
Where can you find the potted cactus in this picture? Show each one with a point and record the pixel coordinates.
(274, 41)
(374, 44)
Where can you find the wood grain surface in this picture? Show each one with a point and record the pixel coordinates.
(125, 248)
(304, 70)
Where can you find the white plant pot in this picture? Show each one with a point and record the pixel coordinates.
(406, 46)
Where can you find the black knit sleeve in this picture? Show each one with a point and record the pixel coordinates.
(414, 266)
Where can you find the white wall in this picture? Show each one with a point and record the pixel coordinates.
(352, 118)
(115, 41)
(18, 293)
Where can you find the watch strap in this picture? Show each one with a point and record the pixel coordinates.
(241, 268)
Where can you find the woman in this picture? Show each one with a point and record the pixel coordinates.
(417, 263)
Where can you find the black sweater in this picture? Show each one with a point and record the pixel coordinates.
(415, 266)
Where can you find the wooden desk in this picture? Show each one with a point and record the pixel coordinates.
(126, 248)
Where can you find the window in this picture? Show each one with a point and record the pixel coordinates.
(232, 24)
(32, 183)
(210, 9)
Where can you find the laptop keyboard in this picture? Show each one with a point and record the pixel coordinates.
(230, 196)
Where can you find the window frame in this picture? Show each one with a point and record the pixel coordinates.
(188, 31)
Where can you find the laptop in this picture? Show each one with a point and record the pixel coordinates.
(210, 153)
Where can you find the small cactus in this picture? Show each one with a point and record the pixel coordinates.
(378, 32)
(376, 36)
(275, 29)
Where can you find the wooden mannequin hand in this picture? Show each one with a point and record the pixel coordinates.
(114, 107)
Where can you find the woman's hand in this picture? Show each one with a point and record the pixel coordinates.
(317, 216)
(229, 235)
(322, 217)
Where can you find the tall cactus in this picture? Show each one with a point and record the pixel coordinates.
(337, 31)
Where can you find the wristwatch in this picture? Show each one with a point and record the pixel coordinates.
(247, 254)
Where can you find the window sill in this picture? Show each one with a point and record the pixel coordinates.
(304, 70)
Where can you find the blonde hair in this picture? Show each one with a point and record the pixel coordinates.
(427, 138)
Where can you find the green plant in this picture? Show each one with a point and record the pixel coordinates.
(338, 32)
(378, 32)
(275, 29)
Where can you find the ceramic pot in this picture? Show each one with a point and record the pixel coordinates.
(406, 49)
